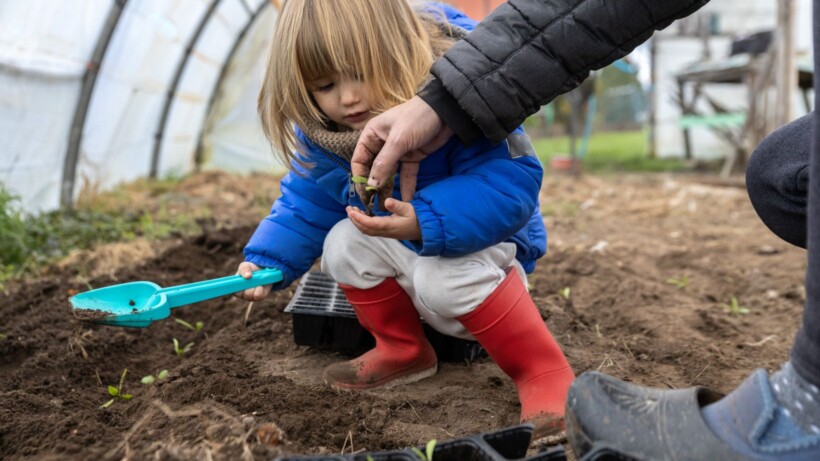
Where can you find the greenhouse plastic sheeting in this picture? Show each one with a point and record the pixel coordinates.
(161, 54)
(233, 140)
(42, 61)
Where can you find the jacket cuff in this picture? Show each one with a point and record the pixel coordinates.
(432, 232)
(446, 106)
(266, 263)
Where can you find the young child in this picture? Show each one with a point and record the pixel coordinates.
(463, 244)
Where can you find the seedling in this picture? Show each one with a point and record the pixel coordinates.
(184, 350)
(679, 282)
(2, 336)
(198, 327)
(363, 180)
(150, 379)
(428, 451)
(116, 392)
(565, 292)
(734, 307)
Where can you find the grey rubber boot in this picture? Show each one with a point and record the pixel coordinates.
(655, 424)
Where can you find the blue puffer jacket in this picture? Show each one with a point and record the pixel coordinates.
(467, 198)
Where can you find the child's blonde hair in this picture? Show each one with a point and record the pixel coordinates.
(383, 42)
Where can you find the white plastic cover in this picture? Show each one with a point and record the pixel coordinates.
(45, 48)
(42, 61)
(233, 140)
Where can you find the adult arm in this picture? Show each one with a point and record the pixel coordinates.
(527, 52)
(517, 59)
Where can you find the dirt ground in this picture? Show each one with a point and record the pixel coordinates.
(619, 244)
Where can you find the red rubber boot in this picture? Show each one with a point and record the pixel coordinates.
(510, 329)
(402, 353)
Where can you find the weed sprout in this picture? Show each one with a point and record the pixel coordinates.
(116, 392)
(198, 327)
(428, 451)
(150, 379)
(183, 350)
(734, 307)
(679, 282)
(565, 292)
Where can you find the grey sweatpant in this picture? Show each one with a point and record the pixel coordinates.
(441, 288)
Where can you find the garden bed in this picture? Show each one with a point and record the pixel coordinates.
(638, 283)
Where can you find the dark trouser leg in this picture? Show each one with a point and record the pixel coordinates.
(806, 350)
(777, 179)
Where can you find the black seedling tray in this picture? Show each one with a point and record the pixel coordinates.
(323, 318)
(506, 444)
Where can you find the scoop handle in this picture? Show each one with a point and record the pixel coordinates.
(182, 295)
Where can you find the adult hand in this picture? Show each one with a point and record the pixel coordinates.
(401, 225)
(407, 133)
(246, 270)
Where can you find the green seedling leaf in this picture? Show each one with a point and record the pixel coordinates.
(431, 447)
(185, 324)
(150, 379)
(116, 391)
(359, 180)
(679, 282)
(199, 325)
(565, 292)
(734, 307)
(2, 336)
(418, 453)
(184, 350)
(428, 451)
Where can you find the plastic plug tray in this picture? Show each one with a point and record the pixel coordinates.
(503, 445)
(323, 318)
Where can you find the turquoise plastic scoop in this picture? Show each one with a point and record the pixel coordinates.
(137, 304)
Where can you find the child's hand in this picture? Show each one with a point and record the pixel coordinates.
(246, 270)
(401, 225)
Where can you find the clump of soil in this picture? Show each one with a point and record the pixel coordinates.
(651, 263)
(91, 315)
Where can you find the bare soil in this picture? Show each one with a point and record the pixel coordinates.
(651, 263)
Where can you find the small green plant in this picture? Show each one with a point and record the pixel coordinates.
(150, 379)
(116, 392)
(183, 350)
(197, 327)
(2, 336)
(679, 282)
(565, 292)
(428, 451)
(734, 307)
